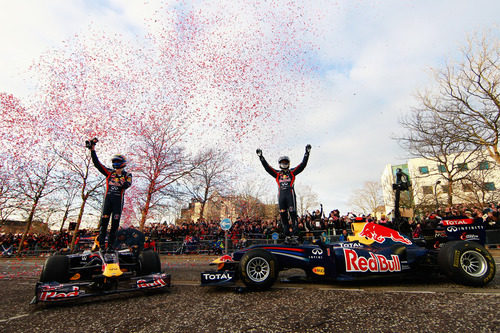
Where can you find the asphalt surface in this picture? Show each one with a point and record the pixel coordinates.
(427, 304)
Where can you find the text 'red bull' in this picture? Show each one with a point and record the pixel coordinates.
(54, 295)
(376, 262)
(380, 233)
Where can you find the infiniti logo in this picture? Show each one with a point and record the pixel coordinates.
(452, 229)
(317, 252)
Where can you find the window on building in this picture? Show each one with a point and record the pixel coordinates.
(427, 190)
(462, 166)
(423, 170)
(467, 187)
(444, 188)
(484, 165)
(490, 186)
(442, 168)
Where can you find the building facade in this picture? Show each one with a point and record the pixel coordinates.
(468, 179)
(227, 207)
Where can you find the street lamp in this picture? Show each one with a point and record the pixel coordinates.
(435, 193)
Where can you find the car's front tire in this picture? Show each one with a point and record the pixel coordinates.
(467, 263)
(149, 262)
(55, 269)
(258, 269)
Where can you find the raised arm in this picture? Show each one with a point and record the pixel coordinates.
(299, 168)
(102, 169)
(267, 167)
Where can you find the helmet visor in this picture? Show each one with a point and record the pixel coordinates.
(118, 162)
(284, 164)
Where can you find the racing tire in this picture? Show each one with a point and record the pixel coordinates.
(467, 263)
(149, 262)
(258, 269)
(55, 269)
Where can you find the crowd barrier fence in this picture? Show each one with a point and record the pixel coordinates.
(216, 246)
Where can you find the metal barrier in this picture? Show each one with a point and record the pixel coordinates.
(215, 247)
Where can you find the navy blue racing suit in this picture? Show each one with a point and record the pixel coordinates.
(287, 201)
(113, 200)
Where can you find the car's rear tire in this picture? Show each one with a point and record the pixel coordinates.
(55, 269)
(258, 269)
(149, 262)
(467, 263)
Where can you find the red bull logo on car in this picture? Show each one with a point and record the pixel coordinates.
(380, 233)
(55, 294)
(375, 263)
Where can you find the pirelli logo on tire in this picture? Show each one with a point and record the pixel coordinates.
(456, 258)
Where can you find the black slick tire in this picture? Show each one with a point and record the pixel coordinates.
(467, 263)
(149, 262)
(55, 269)
(258, 269)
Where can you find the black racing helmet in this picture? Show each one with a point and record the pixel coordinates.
(284, 162)
(119, 161)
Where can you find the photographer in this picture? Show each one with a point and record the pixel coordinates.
(117, 181)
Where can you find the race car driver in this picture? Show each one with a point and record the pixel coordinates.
(117, 181)
(285, 177)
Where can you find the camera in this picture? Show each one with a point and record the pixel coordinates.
(404, 186)
(90, 143)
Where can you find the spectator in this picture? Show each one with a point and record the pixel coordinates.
(343, 236)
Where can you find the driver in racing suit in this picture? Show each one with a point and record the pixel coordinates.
(286, 193)
(117, 181)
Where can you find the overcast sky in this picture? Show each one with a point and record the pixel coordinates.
(372, 58)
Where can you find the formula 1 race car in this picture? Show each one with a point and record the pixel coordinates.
(374, 250)
(71, 276)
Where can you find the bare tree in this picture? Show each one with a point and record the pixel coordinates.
(212, 176)
(428, 136)
(79, 177)
(249, 201)
(67, 198)
(475, 187)
(161, 162)
(367, 198)
(33, 183)
(8, 199)
(468, 99)
(307, 199)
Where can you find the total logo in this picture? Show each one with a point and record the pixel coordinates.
(457, 222)
(316, 253)
(217, 276)
(351, 245)
(375, 263)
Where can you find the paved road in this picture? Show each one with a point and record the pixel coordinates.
(425, 305)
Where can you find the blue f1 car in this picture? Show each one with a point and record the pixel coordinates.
(374, 250)
(96, 273)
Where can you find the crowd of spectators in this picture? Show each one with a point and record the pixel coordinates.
(36, 243)
(244, 229)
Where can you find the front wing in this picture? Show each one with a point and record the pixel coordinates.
(55, 291)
